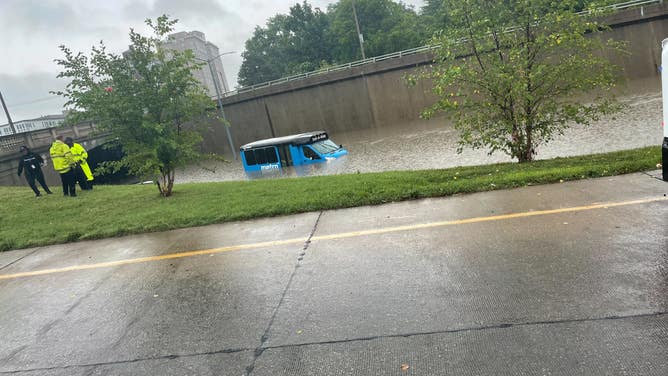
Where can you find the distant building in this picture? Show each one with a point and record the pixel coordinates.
(49, 121)
(195, 41)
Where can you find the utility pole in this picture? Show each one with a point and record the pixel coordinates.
(9, 118)
(360, 37)
(220, 105)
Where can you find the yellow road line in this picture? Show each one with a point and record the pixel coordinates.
(329, 237)
(153, 258)
(484, 219)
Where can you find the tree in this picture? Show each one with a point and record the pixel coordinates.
(434, 16)
(510, 72)
(289, 44)
(307, 39)
(146, 98)
(386, 26)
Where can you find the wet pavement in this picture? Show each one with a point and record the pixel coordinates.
(558, 279)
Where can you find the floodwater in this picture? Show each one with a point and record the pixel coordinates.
(432, 144)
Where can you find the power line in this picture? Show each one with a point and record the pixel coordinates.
(44, 99)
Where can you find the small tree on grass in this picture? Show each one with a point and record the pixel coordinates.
(512, 74)
(146, 98)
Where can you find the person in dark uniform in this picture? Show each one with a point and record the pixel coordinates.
(32, 163)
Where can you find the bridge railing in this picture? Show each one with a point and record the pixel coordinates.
(400, 54)
(44, 137)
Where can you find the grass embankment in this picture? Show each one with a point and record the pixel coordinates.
(109, 211)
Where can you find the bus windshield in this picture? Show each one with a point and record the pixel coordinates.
(325, 146)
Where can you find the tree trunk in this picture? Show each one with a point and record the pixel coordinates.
(166, 182)
(170, 182)
(527, 152)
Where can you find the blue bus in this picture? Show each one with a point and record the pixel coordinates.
(272, 156)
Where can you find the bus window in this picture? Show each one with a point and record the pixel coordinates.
(261, 156)
(325, 146)
(310, 154)
(250, 157)
(285, 155)
(271, 155)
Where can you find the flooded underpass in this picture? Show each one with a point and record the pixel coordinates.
(432, 144)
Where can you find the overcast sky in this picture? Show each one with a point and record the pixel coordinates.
(32, 30)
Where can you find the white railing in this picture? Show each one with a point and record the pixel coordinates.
(399, 54)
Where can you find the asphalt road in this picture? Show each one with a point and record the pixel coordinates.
(559, 279)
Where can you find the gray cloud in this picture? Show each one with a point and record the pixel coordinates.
(193, 11)
(224, 25)
(27, 96)
(49, 18)
(40, 17)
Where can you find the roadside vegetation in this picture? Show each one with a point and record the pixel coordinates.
(510, 74)
(307, 37)
(147, 99)
(110, 211)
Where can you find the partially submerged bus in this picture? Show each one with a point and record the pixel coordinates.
(272, 156)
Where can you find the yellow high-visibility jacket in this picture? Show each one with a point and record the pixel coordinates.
(80, 156)
(61, 157)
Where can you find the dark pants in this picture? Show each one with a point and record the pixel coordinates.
(68, 179)
(40, 178)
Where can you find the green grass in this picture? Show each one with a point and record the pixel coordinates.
(109, 211)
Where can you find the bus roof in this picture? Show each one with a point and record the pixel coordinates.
(295, 139)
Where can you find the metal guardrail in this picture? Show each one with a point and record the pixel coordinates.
(44, 137)
(400, 54)
(334, 68)
(630, 4)
(11, 144)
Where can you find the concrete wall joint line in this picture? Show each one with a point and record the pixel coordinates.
(649, 315)
(265, 337)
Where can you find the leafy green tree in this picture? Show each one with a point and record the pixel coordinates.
(434, 16)
(583, 5)
(307, 39)
(289, 44)
(265, 56)
(309, 48)
(512, 74)
(146, 98)
(387, 27)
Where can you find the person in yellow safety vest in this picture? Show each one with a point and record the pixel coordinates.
(82, 172)
(64, 164)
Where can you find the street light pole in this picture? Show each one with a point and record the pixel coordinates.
(9, 118)
(220, 100)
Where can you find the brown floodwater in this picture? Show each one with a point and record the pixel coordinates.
(432, 144)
